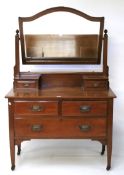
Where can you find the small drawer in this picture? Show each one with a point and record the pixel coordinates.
(84, 108)
(27, 93)
(80, 128)
(26, 84)
(45, 108)
(97, 84)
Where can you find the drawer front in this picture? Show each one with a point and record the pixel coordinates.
(51, 128)
(26, 84)
(48, 108)
(95, 84)
(84, 108)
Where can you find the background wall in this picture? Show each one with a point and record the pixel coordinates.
(113, 11)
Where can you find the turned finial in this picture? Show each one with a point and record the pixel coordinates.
(17, 32)
(105, 31)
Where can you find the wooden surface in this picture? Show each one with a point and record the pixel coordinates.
(60, 112)
(64, 93)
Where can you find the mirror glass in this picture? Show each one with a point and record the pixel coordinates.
(61, 37)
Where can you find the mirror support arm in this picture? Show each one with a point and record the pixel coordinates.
(17, 63)
(105, 49)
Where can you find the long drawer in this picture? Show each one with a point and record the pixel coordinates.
(84, 108)
(57, 128)
(49, 108)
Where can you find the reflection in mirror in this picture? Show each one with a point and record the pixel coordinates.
(61, 37)
(50, 46)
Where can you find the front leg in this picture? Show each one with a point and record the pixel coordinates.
(109, 134)
(12, 154)
(109, 153)
(11, 133)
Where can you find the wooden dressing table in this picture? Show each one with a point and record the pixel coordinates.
(61, 105)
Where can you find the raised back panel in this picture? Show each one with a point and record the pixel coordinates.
(61, 80)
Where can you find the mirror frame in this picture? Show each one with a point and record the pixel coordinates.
(64, 60)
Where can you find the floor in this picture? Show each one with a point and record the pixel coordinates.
(67, 157)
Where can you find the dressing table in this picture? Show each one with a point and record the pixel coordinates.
(61, 105)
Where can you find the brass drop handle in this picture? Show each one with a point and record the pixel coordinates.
(26, 84)
(85, 108)
(84, 127)
(37, 127)
(37, 108)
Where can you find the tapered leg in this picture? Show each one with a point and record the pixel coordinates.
(12, 154)
(19, 149)
(103, 149)
(109, 153)
(109, 134)
(11, 134)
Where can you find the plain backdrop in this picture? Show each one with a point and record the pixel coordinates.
(63, 156)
